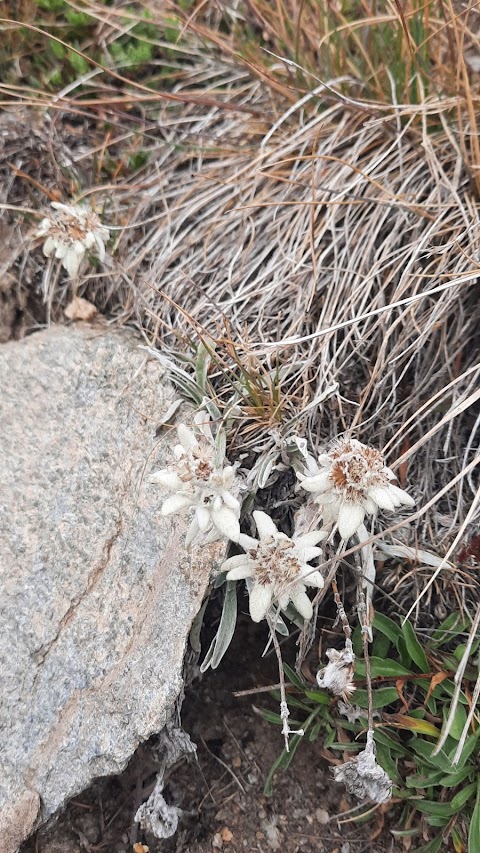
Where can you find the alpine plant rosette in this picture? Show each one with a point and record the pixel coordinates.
(71, 231)
(276, 568)
(200, 487)
(352, 481)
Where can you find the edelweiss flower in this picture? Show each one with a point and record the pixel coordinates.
(351, 481)
(338, 674)
(198, 484)
(278, 568)
(70, 232)
(363, 777)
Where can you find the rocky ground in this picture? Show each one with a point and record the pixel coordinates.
(221, 791)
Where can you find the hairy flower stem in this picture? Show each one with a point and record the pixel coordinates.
(341, 611)
(284, 712)
(366, 656)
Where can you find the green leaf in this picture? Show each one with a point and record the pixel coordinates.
(463, 796)
(226, 629)
(424, 749)
(451, 780)
(330, 738)
(196, 628)
(297, 703)
(387, 627)
(432, 847)
(281, 763)
(405, 833)
(281, 627)
(418, 713)
(318, 696)
(219, 580)
(386, 761)
(357, 641)
(293, 677)
(78, 19)
(432, 807)
(435, 820)
(271, 717)
(422, 781)
(78, 62)
(380, 698)
(459, 650)
(316, 730)
(382, 737)
(403, 653)
(448, 629)
(459, 720)
(414, 648)
(57, 49)
(381, 646)
(381, 667)
(449, 688)
(474, 831)
(469, 746)
(220, 447)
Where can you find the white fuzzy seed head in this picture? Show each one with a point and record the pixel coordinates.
(363, 777)
(337, 676)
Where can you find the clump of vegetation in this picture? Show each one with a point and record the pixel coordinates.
(293, 193)
(435, 787)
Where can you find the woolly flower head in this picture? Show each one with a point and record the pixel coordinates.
(363, 777)
(70, 231)
(276, 568)
(351, 481)
(200, 486)
(338, 674)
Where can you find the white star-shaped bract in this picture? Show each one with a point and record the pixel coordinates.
(350, 482)
(200, 487)
(277, 567)
(71, 231)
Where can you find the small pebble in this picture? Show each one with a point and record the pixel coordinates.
(322, 816)
(226, 835)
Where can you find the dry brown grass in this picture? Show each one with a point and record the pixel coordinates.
(318, 227)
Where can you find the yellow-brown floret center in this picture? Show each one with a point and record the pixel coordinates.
(195, 466)
(276, 562)
(355, 469)
(70, 229)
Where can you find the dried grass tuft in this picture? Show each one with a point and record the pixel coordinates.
(316, 237)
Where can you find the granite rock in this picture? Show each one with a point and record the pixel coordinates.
(97, 592)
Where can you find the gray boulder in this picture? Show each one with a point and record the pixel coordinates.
(97, 592)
